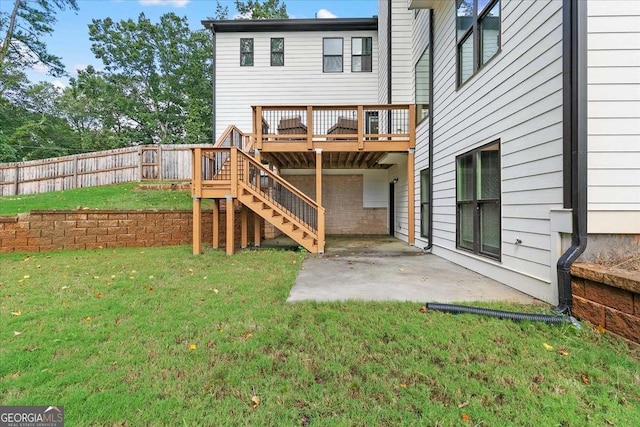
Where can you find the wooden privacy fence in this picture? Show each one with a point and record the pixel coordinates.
(144, 162)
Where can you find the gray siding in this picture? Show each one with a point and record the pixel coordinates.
(300, 82)
(516, 98)
(383, 52)
(614, 116)
(401, 53)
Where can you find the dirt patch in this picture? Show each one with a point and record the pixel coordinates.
(165, 186)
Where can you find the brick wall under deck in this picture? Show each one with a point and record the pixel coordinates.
(42, 231)
(608, 299)
(342, 199)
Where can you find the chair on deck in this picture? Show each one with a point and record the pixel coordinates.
(343, 126)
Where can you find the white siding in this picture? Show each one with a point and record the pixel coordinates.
(401, 53)
(383, 52)
(420, 42)
(614, 116)
(516, 98)
(299, 82)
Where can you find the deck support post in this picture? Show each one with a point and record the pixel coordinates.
(257, 228)
(230, 225)
(320, 214)
(197, 225)
(215, 242)
(411, 196)
(244, 228)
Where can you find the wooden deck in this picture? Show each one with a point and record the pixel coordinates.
(240, 166)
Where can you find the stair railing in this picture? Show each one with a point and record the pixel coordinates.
(281, 193)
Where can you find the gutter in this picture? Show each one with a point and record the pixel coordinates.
(430, 231)
(389, 70)
(574, 140)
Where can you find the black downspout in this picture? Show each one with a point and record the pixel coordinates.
(213, 75)
(389, 93)
(430, 219)
(574, 140)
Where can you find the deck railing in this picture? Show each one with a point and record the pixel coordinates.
(325, 124)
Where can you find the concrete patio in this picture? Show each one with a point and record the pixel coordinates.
(382, 268)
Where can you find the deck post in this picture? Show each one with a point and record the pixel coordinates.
(412, 126)
(320, 214)
(411, 196)
(244, 229)
(258, 125)
(215, 242)
(309, 127)
(197, 225)
(319, 176)
(257, 228)
(230, 225)
(360, 127)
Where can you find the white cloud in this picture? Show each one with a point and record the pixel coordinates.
(324, 13)
(40, 68)
(59, 84)
(175, 3)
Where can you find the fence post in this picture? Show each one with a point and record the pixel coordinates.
(160, 162)
(17, 180)
(75, 172)
(139, 163)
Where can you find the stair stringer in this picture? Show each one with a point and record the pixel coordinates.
(280, 218)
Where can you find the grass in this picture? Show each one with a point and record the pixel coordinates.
(121, 196)
(159, 337)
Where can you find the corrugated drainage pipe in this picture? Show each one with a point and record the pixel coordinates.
(458, 309)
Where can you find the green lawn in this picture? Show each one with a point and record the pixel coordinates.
(121, 196)
(158, 336)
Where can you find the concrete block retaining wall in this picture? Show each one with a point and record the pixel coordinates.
(41, 231)
(607, 298)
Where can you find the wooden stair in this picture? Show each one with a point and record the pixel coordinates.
(279, 218)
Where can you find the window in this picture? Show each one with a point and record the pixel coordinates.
(425, 189)
(478, 32)
(246, 52)
(478, 200)
(361, 54)
(277, 52)
(332, 55)
(423, 79)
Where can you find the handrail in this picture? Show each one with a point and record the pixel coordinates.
(351, 127)
(252, 174)
(281, 180)
(234, 137)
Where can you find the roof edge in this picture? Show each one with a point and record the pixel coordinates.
(282, 25)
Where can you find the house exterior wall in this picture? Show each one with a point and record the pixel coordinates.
(383, 52)
(350, 207)
(614, 116)
(300, 81)
(515, 98)
(401, 64)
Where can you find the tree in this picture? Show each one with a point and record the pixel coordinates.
(22, 31)
(157, 77)
(256, 9)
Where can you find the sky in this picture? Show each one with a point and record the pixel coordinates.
(70, 39)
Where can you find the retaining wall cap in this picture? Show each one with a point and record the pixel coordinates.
(623, 279)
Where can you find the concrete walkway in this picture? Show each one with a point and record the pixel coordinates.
(386, 269)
